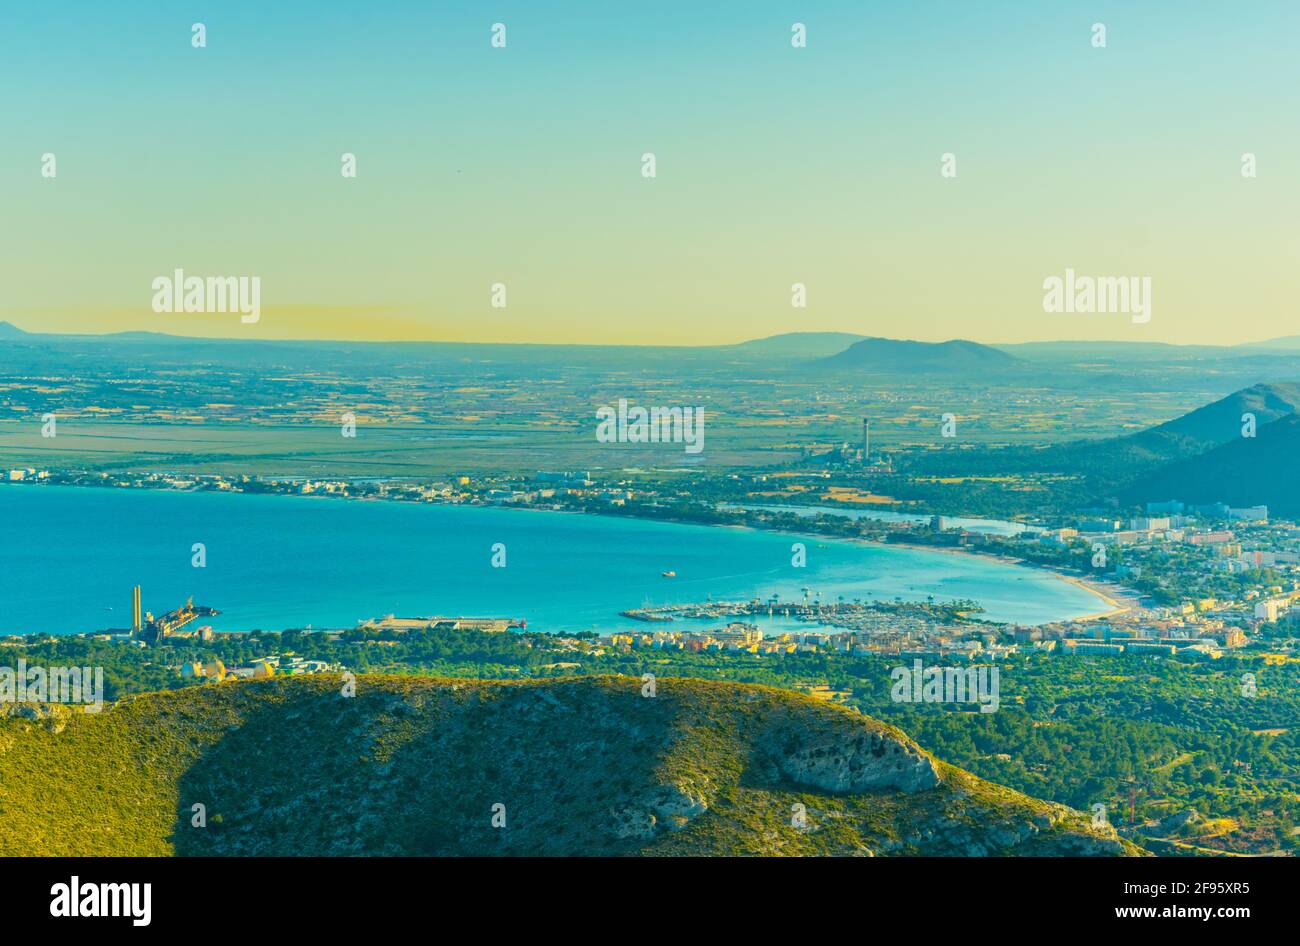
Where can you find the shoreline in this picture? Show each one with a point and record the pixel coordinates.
(1126, 602)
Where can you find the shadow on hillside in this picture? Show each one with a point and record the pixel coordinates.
(409, 767)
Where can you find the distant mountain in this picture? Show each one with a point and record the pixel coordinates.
(1286, 343)
(802, 344)
(1072, 350)
(1112, 464)
(1246, 471)
(1220, 422)
(9, 330)
(140, 336)
(1114, 351)
(1122, 459)
(582, 765)
(894, 355)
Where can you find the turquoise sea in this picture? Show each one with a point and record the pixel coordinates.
(69, 556)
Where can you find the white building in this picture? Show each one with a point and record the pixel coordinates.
(1268, 610)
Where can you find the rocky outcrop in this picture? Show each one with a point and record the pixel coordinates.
(664, 808)
(52, 716)
(856, 762)
(1179, 820)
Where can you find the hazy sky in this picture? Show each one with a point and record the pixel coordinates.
(775, 165)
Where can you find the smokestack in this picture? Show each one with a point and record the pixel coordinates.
(866, 439)
(135, 610)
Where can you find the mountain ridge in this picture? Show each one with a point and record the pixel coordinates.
(808, 343)
(1220, 421)
(805, 344)
(905, 355)
(578, 765)
(1116, 463)
(1246, 471)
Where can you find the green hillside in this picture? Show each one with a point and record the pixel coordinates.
(1244, 472)
(1220, 421)
(415, 765)
(1116, 462)
(1124, 459)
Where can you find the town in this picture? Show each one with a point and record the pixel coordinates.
(1196, 578)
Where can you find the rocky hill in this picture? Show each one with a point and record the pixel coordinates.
(414, 765)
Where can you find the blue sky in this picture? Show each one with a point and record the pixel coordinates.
(775, 165)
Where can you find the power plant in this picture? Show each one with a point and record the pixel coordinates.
(148, 628)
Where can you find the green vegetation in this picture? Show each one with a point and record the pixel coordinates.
(415, 765)
(1145, 736)
(1151, 738)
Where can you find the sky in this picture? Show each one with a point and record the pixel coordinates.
(775, 165)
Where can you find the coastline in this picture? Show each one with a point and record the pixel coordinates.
(1117, 599)
(1128, 600)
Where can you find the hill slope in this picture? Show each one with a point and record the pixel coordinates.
(1285, 343)
(894, 355)
(1220, 421)
(414, 765)
(1192, 433)
(1118, 462)
(801, 344)
(1247, 471)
